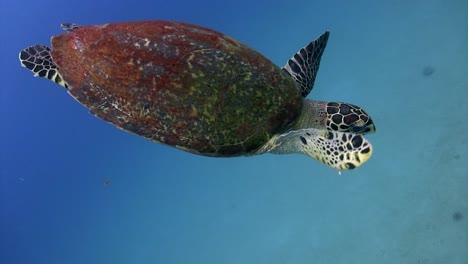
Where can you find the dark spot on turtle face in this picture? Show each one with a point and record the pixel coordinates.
(333, 104)
(337, 119)
(350, 166)
(307, 133)
(349, 146)
(356, 156)
(366, 150)
(343, 138)
(457, 216)
(350, 119)
(345, 109)
(357, 111)
(357, 141)
(428, 71)
(329, 135)
(304, 141)
(332, 110)
(334, 127)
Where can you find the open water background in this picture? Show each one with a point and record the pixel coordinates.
(408, 204)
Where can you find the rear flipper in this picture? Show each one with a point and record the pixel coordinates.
(339, 150)
(38, 60)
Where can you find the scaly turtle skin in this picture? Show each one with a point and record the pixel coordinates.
(201, 91)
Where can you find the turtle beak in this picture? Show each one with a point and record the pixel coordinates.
(370, 127)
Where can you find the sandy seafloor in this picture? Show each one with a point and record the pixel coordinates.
(408, 204)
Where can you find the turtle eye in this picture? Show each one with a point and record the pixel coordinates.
(357, 127)
(361, 127)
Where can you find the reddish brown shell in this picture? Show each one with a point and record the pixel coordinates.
(178, 84)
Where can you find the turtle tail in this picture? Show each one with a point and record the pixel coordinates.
(38, 60)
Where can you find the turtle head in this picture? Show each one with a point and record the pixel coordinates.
(330, 132)
(339, 150)
(346, 117)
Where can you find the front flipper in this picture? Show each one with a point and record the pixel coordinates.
(339, 150)
(304, 65)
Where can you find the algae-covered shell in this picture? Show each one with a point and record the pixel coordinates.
(178, 84)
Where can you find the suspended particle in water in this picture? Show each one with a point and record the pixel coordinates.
(428, 71)
(107, 182)
(457, 216)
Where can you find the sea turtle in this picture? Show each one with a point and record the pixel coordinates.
(201, 91)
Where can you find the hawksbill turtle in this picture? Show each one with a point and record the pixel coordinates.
(201, 91)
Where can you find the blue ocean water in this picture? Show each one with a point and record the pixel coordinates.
(74, 189)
